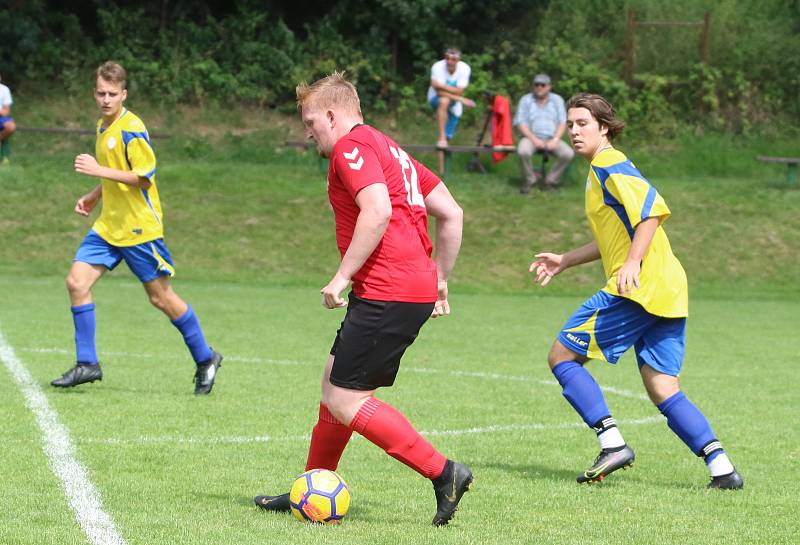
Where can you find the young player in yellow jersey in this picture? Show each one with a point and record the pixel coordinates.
(129, 228)
(643, 304)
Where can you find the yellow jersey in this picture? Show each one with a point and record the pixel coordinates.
(130, 215)
(618, 198)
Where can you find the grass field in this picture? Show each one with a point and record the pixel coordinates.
(172, 468)
(251, 233)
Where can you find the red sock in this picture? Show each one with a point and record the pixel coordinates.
(385, 426)
(328, 440)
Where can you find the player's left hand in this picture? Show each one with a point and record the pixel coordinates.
(86, 164)
(546, 266)
(441, 307)
(628, 277)
(331, 294)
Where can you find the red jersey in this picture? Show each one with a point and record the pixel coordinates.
(400, 268)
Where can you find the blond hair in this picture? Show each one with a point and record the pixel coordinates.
(112, 72)
(332, 90)
(601, 109)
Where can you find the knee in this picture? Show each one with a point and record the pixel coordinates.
(337, 406)
(553, 358)
(660, 392)
(659, 386)
(559, 354)
(157, 300)
(77, 286)
(9, 128)
(444, 103)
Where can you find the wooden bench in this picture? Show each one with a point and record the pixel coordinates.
(790, 162)
(425, 148)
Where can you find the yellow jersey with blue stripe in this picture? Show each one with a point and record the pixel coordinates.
(618, 198)
(131, 215)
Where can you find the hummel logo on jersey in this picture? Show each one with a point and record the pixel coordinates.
(351, 156)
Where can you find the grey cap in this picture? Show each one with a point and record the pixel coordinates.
(542, 78)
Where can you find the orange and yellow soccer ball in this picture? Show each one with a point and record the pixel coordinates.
(320, 495)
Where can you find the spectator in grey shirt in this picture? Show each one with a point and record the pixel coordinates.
(541, 119)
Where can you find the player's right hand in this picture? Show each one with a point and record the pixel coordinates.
(331, 294)
(546, 266)
(85, 205)
(441, 307)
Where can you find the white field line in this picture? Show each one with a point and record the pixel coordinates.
(236, 440)
(471, 374)
(81, 493)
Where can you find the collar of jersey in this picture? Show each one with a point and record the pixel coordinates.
(124, 112)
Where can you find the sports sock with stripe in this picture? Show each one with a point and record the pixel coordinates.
(328, 441)
(608, 434)
(386, 427)
(688, 423)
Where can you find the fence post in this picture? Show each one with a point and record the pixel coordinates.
(704, 37)
(630, 47)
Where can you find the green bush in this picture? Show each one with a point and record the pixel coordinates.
(216, 53)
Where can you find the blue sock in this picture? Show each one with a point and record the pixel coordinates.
(85, 326)
(189, 327)
(691, 426)
(582, 392)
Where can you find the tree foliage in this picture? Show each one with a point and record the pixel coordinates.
(248, 51)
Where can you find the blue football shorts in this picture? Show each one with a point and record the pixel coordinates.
(147, 261)
(452, 120)
(4, 119)
(606, 325)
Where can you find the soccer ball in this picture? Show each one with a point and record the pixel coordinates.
(320, 495)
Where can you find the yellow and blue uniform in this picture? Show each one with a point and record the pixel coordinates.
(652, 316)
(130, 225)
(618, 198)
(131, 215)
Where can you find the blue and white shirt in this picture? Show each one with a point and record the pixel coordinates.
(542, 120)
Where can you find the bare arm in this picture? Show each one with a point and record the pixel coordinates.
(584, 254)
(548, 265)
(5, 110)
(449, 225)
(87, 202)
(444, 88)
(468, 102)
(376, 211)
(628, 274)
(87, 164)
